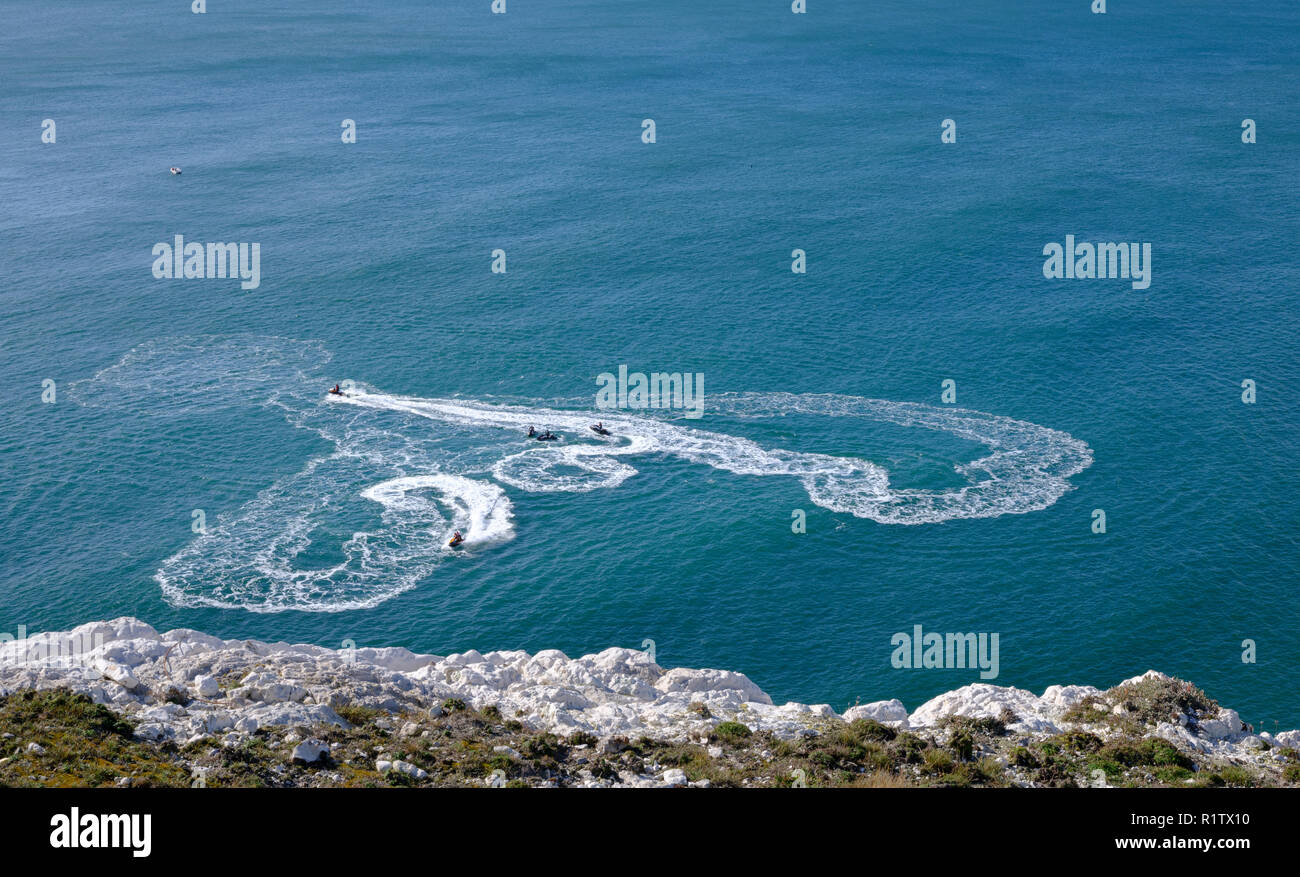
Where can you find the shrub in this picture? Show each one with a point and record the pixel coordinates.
(988, 772)
(1112, 769)
(1022, 757)
(963, 744)
(959, 775)
(985, 726)
(870, 729)
(1077, 741)
(937, 761)
(582, 738)
(1173, 775)
(908, 748)
(732, 732)
(1154, 700)
(1162, 753)
(356, 714)
(1091, 709)
(1233, 775)
(542, 746)
(176, 696)
(1151, 752)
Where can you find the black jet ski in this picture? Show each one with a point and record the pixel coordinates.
(547, 437)
(336, 391)
(600, 430)
(456, 540)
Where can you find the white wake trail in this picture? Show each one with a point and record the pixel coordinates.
(296, 545)
(1028, 468)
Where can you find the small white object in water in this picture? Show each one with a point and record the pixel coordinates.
(175, 170)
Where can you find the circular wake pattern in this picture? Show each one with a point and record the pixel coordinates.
(1029, 467)
(254, 558)
(1028, 470)
(293, 547)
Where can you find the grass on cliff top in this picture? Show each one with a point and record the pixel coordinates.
(1140, 706)
(89, 745)
(86, 744)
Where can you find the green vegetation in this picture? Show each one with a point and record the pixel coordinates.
(83, 743)
(732, 732)
(80, 743)
(1142, 705)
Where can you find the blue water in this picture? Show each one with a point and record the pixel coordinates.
(774, 132)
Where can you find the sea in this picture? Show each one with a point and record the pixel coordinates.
(836, 224)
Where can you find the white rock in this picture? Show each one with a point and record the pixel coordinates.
(675, 777)
(1288, 739)
(979, 700)
(217, 721)
(116, 672)
(310, 751)
(206, 686)
(617, 692)
(410, 770)
(1179, 736)
(889, 712)
(1059, 698)
(153, 731)
(681, 679)
(1226, 724)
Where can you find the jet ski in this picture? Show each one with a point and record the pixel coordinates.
(456, 540)
(547, 437)
(336, 391)
(600, 430)
(175, 171)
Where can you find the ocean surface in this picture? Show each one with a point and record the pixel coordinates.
(180, 402)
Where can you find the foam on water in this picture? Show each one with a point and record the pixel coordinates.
(1028, 469)
(480, 510)
(429, 482)
(253, 558)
